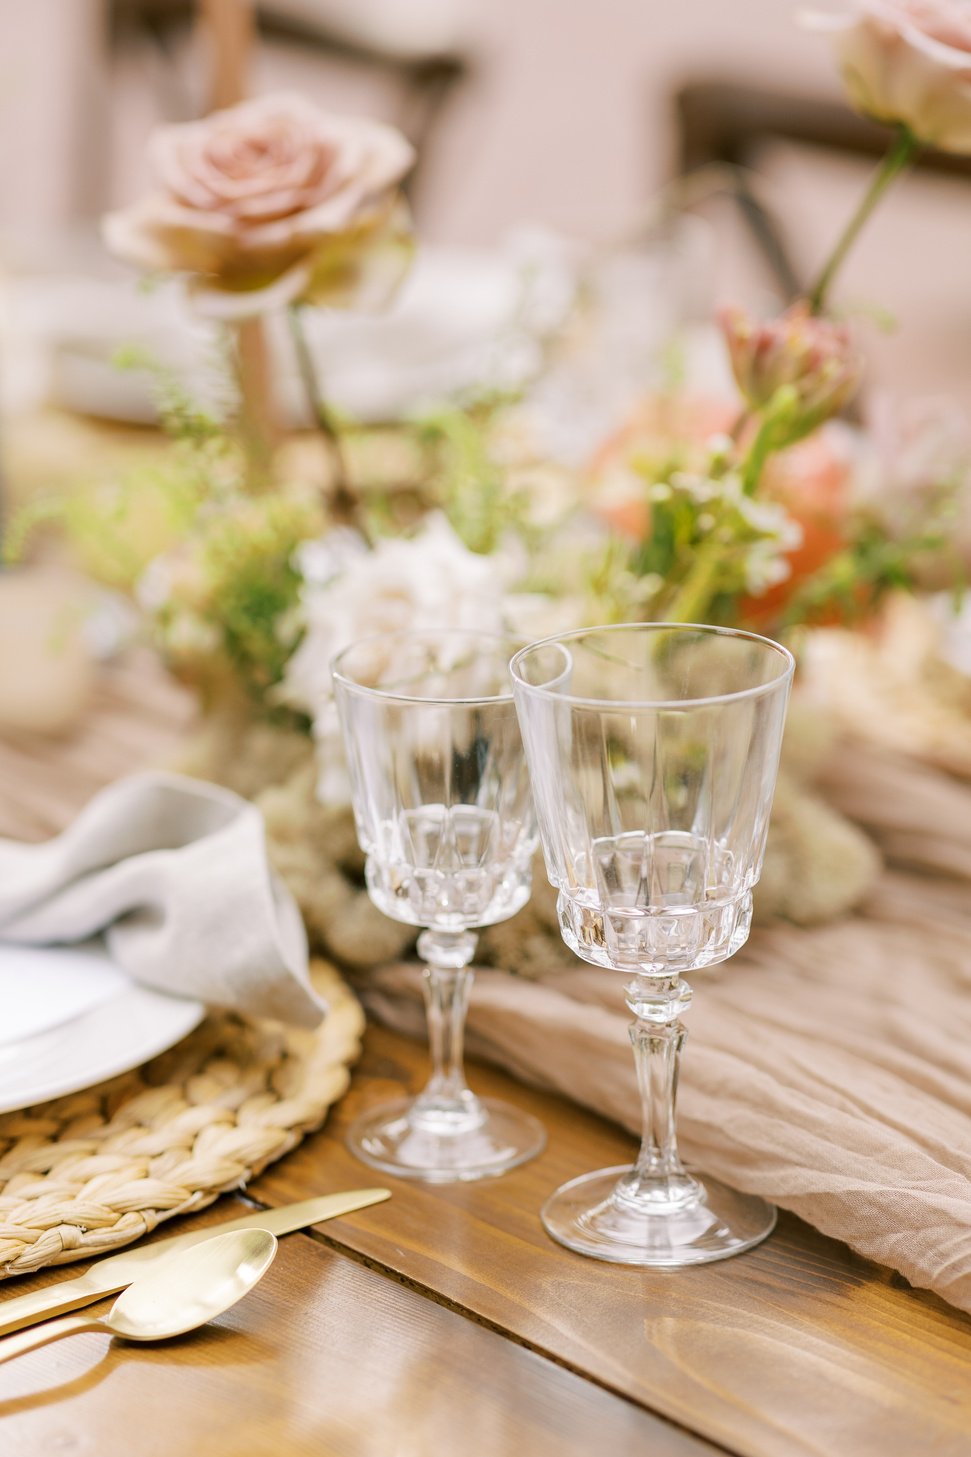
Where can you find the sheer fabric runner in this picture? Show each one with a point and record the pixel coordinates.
(828, 1070)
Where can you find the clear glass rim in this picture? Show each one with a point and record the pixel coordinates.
(559, 639)
(508, 644)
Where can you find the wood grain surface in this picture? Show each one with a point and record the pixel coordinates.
(796, 1347)
(445, 1321)
(135, 719)
(325, 1358)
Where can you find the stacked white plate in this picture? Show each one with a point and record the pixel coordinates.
(71, 1018)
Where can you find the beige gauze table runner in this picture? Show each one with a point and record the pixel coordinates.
(827, 1069)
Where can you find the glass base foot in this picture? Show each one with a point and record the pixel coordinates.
(400, 1139)
(592, 1216)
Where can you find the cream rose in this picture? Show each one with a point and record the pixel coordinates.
(274, 202)
(908, 62)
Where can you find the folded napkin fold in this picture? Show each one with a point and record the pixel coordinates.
(825, 1069)
(174, 873)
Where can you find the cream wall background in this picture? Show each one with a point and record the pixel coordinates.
(566, 123)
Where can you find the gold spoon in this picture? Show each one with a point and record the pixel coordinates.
(176, 1295)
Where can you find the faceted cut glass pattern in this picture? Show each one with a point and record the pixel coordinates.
(451, 867)
(654, 903)
(653, 750)
(445, 817)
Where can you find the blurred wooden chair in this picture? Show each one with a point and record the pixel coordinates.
(729, 124)
(414, 45)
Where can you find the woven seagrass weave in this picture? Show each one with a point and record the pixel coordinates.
(93, 1171)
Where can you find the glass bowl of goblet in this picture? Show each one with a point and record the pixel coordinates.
(445, 817)
(653, 750)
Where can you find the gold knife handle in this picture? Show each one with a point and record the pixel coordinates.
(52, 1300)
(101, 1279)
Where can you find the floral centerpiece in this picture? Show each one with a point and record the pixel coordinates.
(758, 510)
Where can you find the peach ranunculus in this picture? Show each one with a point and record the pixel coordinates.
(907, 62)
(274, 202)
(811, 479)
(663, 430)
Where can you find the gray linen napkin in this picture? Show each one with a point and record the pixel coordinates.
(174, 873)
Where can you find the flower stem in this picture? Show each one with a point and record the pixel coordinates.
(344, 505)
(258, 423)
(759, 451)
(691, 601)
(901, 153)
(741, 422)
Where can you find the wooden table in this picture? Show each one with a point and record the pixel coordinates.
(445, 1321)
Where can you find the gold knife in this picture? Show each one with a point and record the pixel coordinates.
(114, 1273)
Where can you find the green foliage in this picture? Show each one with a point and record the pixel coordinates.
(229, 592)
(466, 478)
(711, 550)
(708, 543)
(872, 564)
(182, 419)
(207, 552)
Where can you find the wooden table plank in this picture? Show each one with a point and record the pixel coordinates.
(136, 718)
(324, 1357)
(797, 1347)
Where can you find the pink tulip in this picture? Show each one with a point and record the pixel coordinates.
(814, 359)
(907, 62)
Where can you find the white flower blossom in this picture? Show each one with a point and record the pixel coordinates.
(430, 580)
(700, 488)
(319, 561)
(186, 637)
(771, 520)
(765, 567)
(153, 590)
(766, 560)
(175, 578)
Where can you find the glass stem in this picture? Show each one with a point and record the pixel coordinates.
(447, 983)
(658, 1179)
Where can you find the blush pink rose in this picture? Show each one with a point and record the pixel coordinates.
(908, 62)
(274, 202)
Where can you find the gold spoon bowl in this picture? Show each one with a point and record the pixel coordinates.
(177, 1294)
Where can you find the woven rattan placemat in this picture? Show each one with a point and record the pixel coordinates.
(93, 1171)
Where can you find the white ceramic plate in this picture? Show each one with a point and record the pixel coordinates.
(76, 1019)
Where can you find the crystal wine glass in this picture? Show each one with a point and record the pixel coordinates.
(653, 751)
(445, 817)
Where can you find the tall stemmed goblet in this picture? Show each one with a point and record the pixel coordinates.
(653, 752)
(445, 817)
